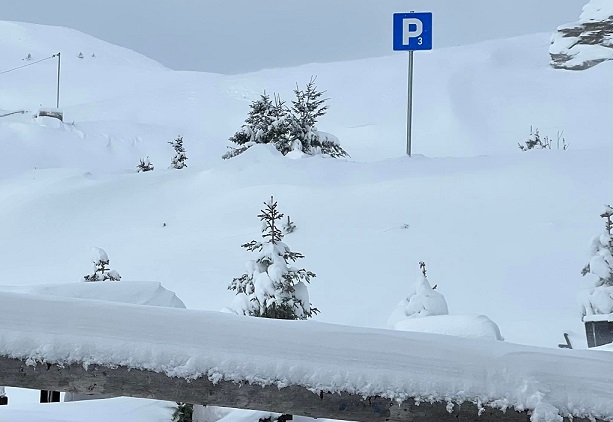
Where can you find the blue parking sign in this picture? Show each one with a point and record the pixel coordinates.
(413, 31)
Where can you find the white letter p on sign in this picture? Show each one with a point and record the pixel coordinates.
(406, 29)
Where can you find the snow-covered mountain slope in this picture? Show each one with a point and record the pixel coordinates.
(469, 100)
(583, 44)
(504, 232)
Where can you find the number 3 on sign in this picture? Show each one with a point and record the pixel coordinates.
(420, 40)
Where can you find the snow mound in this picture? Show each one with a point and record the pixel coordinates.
(586, 43)
(469, 326)
(133, 292)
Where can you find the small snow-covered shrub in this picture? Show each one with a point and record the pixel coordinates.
(423, 300)
(598, 297)
(178, 161)
(536, 141)
(144, 165)
(100, 259)
(288, 129)
(272, 287)
(288, 226)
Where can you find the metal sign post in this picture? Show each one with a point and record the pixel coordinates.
(412, 31)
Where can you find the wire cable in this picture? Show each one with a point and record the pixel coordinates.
(29, 64)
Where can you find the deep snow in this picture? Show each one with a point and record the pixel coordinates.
(505, 233)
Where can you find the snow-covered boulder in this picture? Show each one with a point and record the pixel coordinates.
(583, 44)
(470, 326)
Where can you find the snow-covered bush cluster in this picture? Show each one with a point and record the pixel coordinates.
(287, 129)
(101, 267)
(144, 165)
(536, 141)
(423, 300)
(272, 287)
(597, 298)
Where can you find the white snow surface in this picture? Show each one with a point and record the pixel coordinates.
(470, 326)
(596, 10)
(393, 364)
(506, 226)
(117, 409)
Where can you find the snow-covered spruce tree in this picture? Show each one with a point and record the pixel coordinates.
(178, 161)
(423, 300)
(256, 128)
(144, 165)
(308, 106)
(272, 288)
(80, 55)
(101, 267)
(597, 298)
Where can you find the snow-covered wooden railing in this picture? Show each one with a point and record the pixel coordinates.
(298, 367)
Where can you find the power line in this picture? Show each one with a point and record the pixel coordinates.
(29, 64)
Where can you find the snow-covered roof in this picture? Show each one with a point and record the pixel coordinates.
(368, 362)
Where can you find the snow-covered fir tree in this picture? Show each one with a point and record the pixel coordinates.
(100, 259)
(80, 55)
(29, 57)
(597, 297)
(288, 129)
(423, 300)
(272, 287)
(144, 165)
(308, 106)
(256, 128)
(178, 161)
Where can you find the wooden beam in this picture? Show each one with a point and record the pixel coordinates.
(296, 400)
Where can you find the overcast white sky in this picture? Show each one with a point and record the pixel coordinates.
(235, 36)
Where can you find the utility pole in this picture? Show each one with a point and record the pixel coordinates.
(57, 102)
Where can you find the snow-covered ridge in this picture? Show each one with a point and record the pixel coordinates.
(393, 364)
(20, 39)
(134, 292)
(583, 44)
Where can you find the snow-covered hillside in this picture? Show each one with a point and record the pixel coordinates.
(505, 233)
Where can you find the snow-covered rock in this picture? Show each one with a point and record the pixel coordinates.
(583, 44)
